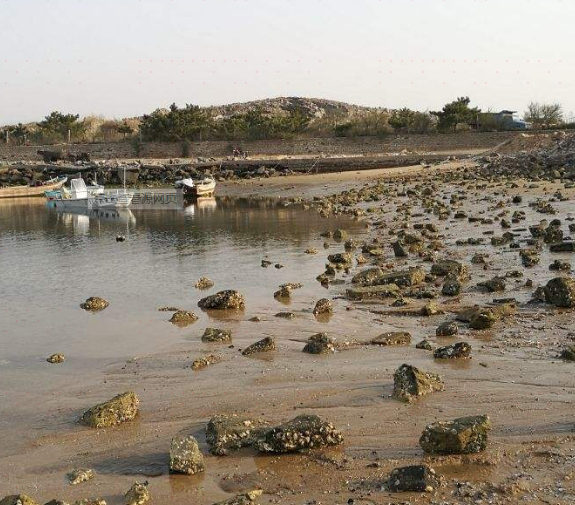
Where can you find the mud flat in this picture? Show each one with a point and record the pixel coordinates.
(498, 430)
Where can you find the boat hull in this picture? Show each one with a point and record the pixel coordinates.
(28, 191)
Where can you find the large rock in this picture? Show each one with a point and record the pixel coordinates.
(392, 338)
(265, 345)
(320, 343)
(465, 435)
(226, 433)
(119, 409)
(204, 283)
(340, 258)
(458, 350)
(373, 292)
(415, 479)
(228, 299)
(183, 318)
(454, 268)
(368, 277)
(494, 285)
(561, 292)
(217, 336)
(403, 278)
(409, 383)
(18, 499)
(452, 286)
(323, 306)
(94, 304)
(447, 329)
(138, 494)
(303, 432)
(185, 456)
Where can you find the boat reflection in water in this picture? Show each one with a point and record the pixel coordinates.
(201, 204)
(79, 219)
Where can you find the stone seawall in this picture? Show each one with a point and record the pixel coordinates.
(370, 146)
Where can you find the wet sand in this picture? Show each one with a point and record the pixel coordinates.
(514, 377)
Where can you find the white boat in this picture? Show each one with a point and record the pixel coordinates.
(81, 196)
(196, 188)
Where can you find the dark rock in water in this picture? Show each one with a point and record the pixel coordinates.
(399, 249)
(204, 283)
(392, 338)
(424, 345)
(215, 335)
(18, 499)
(265, 345)
(120, 238)
(479, 259)
(279, 266)
(119, 409)
(561, 266)
(340, 234)
(447, 329)
(78, 476)
(56, 358)
(185, 456)
(249, 498)
(285, 315)
(323, 306)
(138, 494)
(561, 292)
(568, 354)
(483, 319)
(226, 433)
(563, 247)
(415, 479)
(465, 435)
(494, 285)
(553, 234)
(340, 258)
(458, 350)
(303, 432)
(446, 267)
(183, 317)
(368, 276)
(266, 263)
(94, 304)
(452, 286)
(320, 343)
(430, 309)
(223, 300)
(409, 383)
(403, 278)
(283, 292)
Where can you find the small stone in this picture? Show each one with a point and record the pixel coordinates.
(217, 336)
(431, 309)
(409, 383)
(18, 499)
(424, 345)
(266, 263)
(323, 306)
(94, 304)
(415, 479)
(447, 329)
(283, 292)
(223, 300)
(249, 498)
(285, 315)
(138, 494)
(119, 409)
(90, 501)
(340, 234)
(465, 435)
(78, 476)
(204, 283)
(340, 258)
(320, 343)
(454, 351)
(392, 338)
(206, 361)
(183, 318)
(185, 456)
(452, 286)
(561, 292)
(311, 250)
(494, 285)
(56, 358)
(265, 345)
(562, 266)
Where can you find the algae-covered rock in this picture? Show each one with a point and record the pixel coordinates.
(226, 433)
(392, 338)
(561, 292)
(320, 343)
(283, 292)
(454, 351)
(185, 456)
(138, 494)
(265, 345)
(373, 292)
(409, 383)
(217, 336)
(340, 258)
(431, 309)
(119, 409)
(494, 285)
(368, 276)
(465, 435)
(81, 475)
(94, 304)
(415, 479)
(424, 345)
(323, 306)
(249, 498)
(228, 299)
(303, 432)
(204, 283)
(18, 499)
(529, 257)
(340, 234)
(454, 268)
(483, 319)
(403, 278)
(452, 286)
(56, 359)
(183, 318)
(57, 502)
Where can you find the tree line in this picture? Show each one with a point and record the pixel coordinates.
(194, 123)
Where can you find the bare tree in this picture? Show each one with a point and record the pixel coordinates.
(544, 115)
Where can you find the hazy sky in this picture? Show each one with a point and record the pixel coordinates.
(127, 57)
